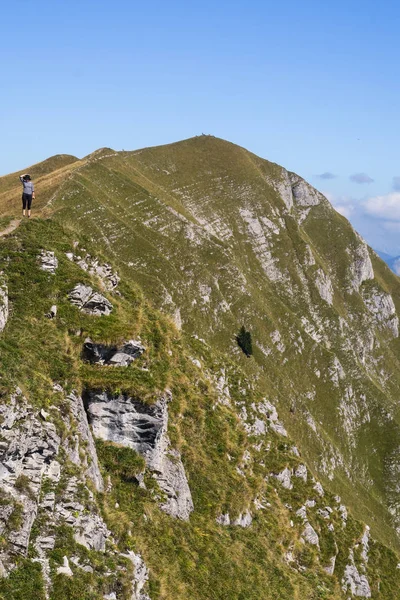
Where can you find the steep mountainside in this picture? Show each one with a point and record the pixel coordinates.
(153, 453)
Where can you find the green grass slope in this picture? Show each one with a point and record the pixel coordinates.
(208, 230)
(228, 466)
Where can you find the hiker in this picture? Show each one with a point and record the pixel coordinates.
(28, 193)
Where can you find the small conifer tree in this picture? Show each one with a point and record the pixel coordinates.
(244, 341)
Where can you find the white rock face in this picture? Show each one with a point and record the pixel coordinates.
(324, 286)
(284, 188)
(365, 544)
(244, 520)
(303, 194)
(361, 267)
(354, 581)
(141, 576)
(301, 472)
(224, 519)
(89, 301)
(353, 411)
(259, 231)
(3, 303)
(310, 535)
(381, 306)
(117, 356)
(52, 312)
(285, 478)
(143, 428)
(48, 261)
(330, 569)
(90, 530)
(336, 371)
(270, 413)
(83, 438)
(343, 514)
(28, 453)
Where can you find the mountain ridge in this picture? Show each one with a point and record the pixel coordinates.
(216, 238)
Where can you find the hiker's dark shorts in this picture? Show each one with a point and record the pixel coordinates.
(26, 201)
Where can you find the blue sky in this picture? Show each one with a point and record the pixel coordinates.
(311, 85)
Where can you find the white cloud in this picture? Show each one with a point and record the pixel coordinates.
(384, 207)
(376, 219)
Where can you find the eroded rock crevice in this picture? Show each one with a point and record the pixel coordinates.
(143, 428)
(112, 355)
(38, 490)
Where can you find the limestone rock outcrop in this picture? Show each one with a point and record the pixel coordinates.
(3, 303)
(143, 427)
(89, 301)
(118, 356)
(381, 306)
(48, 261)
(82, 438)
(361, 266)
(28, 453)
(33, 458)
(103, 271)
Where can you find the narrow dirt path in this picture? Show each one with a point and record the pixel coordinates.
(13, 225)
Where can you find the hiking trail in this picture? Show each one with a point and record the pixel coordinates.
(10, 228)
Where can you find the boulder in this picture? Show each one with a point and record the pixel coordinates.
(48, 261)
(52, 312)
(89, 301)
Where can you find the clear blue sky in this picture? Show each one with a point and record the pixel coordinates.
(311, 85)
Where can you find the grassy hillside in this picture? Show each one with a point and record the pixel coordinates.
(228, 468)
(217, 238)
(203, 227)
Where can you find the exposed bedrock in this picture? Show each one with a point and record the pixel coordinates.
(89, 301)
(3, 302)
(118, 356)
(143, 427)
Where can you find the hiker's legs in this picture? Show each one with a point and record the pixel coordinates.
(23, 204)
(26, 204)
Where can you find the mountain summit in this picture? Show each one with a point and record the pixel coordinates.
(160, 460)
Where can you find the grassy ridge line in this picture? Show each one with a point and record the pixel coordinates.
(106, 187)
(48, 176)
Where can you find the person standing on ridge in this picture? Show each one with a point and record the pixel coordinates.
(28, 193)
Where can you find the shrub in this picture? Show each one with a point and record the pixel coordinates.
(244, 341)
